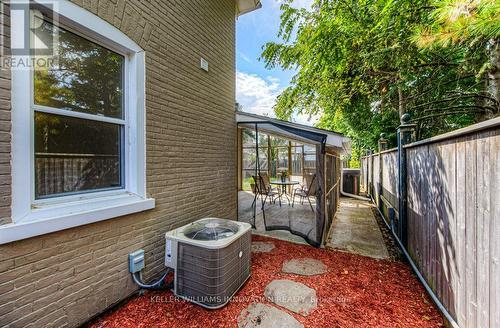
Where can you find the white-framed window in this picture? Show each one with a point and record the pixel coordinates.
(78, 127)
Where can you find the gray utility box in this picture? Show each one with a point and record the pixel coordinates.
(211, 259)
(351, 181)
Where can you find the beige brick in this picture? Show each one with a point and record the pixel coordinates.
(6, 287)
(64, 278)
(51, 320)
(14, 294)
(39, 295)
(6, 265)
(6, 308)
(12, 316)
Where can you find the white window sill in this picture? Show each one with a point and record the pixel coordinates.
(55, 217)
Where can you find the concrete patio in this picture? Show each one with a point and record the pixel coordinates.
(299, 212)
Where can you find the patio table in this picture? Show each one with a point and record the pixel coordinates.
(282, 186)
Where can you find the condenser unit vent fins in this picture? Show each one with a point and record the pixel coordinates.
(210, 277)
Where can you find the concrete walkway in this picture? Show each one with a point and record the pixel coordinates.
(355, 230)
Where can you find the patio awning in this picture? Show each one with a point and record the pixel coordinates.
(295, 131)
(328, 146)
(246, 6)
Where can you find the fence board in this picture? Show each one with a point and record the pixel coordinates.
(370, 175)
(461, 199)
(390, 177)
(483, 224)
(495, 232)
(470, 222)
(376, 178)
(453, 212)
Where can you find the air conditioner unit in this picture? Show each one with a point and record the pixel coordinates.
(210, 258)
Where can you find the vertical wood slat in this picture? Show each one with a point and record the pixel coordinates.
(375, 177)
(389, 179)
(415, 214)
(460, 200)
(470, 231)
(449, 217)
(483, 225)
(363, 177)
(372, 161)
(495, 231)
(413, 224)
(369, 173)
(431, 215)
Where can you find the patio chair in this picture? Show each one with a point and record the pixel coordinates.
(263, 189)
(267, 183)
(306, 191)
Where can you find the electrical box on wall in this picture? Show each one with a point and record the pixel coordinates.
(204, 64)
(136, 261)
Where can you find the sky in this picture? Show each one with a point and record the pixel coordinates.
(256, 86)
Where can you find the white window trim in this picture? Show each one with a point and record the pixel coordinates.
(31, 218)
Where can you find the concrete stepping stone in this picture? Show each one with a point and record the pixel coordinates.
(292, 295)
(304, 267)
(262, 247)
(265, 316)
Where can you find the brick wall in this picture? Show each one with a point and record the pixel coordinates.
(64, 278)
(4, 123)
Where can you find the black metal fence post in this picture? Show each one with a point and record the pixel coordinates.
(405, 136)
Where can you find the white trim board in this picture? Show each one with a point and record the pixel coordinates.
(61, 219)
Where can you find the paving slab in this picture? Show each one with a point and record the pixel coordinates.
(292, 295)
(262, 247)
(304, 267)
(265, 316)
(355, 230)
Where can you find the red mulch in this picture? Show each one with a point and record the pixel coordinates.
(356, 292)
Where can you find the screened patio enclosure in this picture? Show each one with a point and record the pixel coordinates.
(295, 165)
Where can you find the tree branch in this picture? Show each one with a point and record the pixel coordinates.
(458, 97)
(479, 110)
(444, 83)
(446, 114)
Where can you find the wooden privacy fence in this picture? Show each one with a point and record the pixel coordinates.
(451, 230)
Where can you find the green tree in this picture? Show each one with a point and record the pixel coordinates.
(360, 66)
(464, 24)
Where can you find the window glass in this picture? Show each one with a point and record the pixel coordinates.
(296, 160)
(87, 79)
(277, 141)
(247, 179)
(309, 157)
(249, 158)
(249, 138)
(281, 160)
(74, 155)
